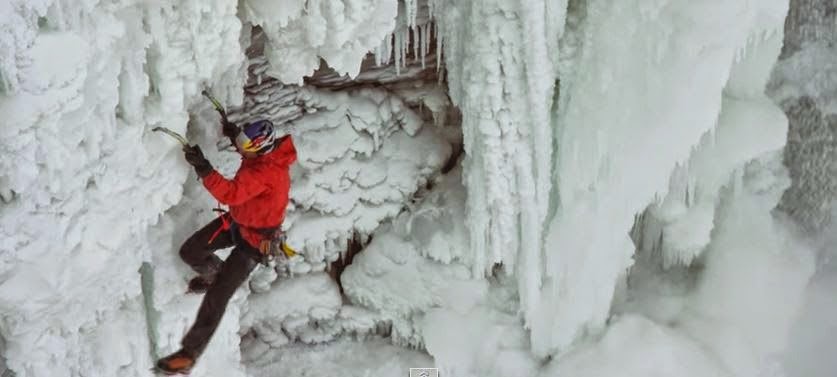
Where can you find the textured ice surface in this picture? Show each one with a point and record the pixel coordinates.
(411, 265)
(624, 128)
(302, 32)
(83, 177)
(575, 116)
(678, 225)
(726, 325)
(341, 358)
(86, 185)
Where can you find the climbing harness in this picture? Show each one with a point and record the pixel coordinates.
(274, 245)
(226, 224)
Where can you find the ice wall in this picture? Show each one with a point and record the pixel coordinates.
(501, 77)
(501, 62)
(623, 129)
(79, 160)
(640, 83)
(677, 226)
(722, 323)
(82, 175)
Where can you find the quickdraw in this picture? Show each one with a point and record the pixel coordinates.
(274, 246)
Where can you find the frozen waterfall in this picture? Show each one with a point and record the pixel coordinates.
(487, 187)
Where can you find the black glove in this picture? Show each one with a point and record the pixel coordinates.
(229, 129)
(194, 156)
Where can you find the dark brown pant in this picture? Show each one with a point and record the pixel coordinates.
(198, 253)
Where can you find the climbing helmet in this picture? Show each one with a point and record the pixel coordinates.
(256, 137)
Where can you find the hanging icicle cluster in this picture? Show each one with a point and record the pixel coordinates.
(412, 32)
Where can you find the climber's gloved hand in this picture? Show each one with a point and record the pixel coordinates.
(194, 156)
(229, 129)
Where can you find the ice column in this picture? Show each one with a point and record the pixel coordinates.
(648, 84)
(501, 76)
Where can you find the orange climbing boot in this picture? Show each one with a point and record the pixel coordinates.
(180, 362)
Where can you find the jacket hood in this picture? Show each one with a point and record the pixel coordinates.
(284, 153)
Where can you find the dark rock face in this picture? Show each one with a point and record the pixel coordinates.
(804, 84)
(811, 158)
(809, 21)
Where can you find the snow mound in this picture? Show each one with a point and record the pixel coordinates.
(751, 252)
(340, 358)
(661, 351)
(289, 312)
(477, 340)
(400, 275)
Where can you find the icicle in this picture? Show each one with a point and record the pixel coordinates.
(405, 46)
(438, 48)
(416, 33)
(390, 41)
(382, 51)
(411, 9)
(386, 50)
(397, 56)
(425, 42)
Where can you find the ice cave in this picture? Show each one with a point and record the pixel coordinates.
(481, 188)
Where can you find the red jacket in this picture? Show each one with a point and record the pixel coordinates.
(258, 195)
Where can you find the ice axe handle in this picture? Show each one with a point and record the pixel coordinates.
(216, 104)
(182, 140)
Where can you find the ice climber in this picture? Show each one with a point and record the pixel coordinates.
(257, 198)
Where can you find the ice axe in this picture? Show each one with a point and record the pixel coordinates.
(182, 140)
(230, 129)
(216, 104)
(173, 134)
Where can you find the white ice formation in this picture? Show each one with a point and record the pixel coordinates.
(84, 178)
(613, 202)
